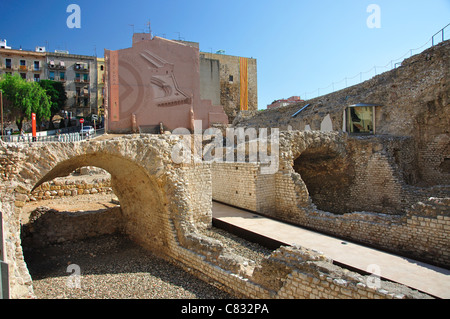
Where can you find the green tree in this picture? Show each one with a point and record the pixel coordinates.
(58, 97)
(25, 98)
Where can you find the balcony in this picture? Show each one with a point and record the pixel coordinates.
(23, 68)
(81, 67)
(56, 66)
(82, 96)
(81, 81)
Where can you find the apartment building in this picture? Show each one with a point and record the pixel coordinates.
(285, 102)
(30, 65)
(79, 74)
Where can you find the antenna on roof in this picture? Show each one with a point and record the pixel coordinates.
(132, 25)
(149, 27)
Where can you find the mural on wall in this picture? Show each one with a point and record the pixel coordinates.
(164, 84)
(156, 83)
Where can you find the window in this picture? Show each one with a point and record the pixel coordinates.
(230, 78)
(23, 76)
(77, 77)
(62, 76)
(101, 67)
(36, 65)
(360, 118)
(8, 63)
(22, 65)
(37, 77)
(85, 78)
(51, 75)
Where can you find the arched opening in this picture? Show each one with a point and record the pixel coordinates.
(121, 262)
(140, 196)
(328, 178)
(107, 236)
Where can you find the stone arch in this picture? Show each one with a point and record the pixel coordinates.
(327, 176)
(320, 162)
(146, 185)
(140, 195)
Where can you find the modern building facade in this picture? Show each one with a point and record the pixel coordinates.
(79, 74)
(156, 83)
(30, 65)
(225, 80)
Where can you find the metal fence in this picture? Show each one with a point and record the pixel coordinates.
(63, 138)
(360, 77)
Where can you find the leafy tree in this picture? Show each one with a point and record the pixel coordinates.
(57, 94)
(25, 98)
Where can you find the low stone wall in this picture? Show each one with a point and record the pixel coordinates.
(290, 272)
(293, 273)
(61, 188)
(47, 226)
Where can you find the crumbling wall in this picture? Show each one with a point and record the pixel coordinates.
(60, 188)
(348, 187)
(47, 226)
(162, 211)
(414, 101)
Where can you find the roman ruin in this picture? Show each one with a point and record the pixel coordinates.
(367, 164)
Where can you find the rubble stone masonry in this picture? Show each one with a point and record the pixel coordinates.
(164, 207)
(359, 193)
(414, 102)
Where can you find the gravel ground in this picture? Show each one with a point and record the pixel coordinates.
(113, 267)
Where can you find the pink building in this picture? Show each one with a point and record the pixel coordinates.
(284, 102)
(156, 81)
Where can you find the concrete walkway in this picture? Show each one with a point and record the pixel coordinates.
(417, 275)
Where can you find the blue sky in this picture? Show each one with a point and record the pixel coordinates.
(301, 46)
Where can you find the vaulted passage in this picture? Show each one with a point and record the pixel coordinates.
(138, 192)
(328, 178)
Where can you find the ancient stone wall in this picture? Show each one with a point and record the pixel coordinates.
(352, 188)
(414, 102)
(47, 226)
(161, 209)
(60, 188)
(230, 83)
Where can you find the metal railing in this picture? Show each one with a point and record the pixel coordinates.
(442, 35)
(360, 77)
(62, 138)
